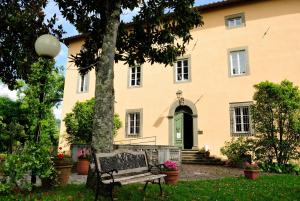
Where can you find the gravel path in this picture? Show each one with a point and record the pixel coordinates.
(187, 172)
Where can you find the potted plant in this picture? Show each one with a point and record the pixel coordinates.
(170, 168)
(251, 170)
(63, 166)
(83, 163)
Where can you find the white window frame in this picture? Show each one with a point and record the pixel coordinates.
(135, 121)
(133, 76)
(242, 115)
(188, 66)
(83, 83)
(231, 66)
(238, 67)
(233, 119)
(233, 22)
(235, 18)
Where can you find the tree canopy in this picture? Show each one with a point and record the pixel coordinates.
(158, 33)
(22, 22)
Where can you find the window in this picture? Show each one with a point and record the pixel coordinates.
(238, 62)
(182, 70)
(135, 76)
(240, 118)
(234, 21)
(83, 83)
(133, 123)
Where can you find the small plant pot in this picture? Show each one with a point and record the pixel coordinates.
(83, 166)
(172, 177)
(251, 174)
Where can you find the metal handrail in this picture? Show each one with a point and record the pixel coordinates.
(136, 139)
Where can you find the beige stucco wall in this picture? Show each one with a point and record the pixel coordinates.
(273, 57)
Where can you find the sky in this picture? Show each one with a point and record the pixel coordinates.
(70, 30)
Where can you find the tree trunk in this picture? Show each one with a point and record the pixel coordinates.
(104, 92)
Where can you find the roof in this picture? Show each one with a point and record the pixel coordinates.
(206, 7)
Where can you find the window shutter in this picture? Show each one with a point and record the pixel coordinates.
(252, 130)
(78, 83)
(86, 82)
(126, 124)
(231, 111)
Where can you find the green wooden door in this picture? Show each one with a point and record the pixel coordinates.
(178, 129)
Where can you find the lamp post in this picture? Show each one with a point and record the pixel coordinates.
(47, 47)
(179, 97)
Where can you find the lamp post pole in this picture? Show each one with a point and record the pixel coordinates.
(47, 47)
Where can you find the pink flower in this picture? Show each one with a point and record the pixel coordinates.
(170, 165)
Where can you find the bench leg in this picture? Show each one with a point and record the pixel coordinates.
(160, 187)
(111, 191)
(97, 190)
(145, 186)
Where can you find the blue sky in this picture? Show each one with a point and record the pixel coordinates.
(61, 59)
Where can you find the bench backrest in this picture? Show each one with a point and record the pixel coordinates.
(125, 161)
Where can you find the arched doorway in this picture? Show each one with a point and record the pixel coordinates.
(183, 127)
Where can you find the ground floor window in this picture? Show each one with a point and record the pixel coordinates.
(133, 123)
(240, 118)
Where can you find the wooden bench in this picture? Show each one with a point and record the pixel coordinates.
(124, 167)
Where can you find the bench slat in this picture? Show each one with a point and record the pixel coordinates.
(136, 179)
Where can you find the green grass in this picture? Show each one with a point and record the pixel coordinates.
(279, 187)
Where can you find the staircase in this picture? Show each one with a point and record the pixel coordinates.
(195, 157)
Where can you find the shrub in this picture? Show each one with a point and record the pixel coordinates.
(79, 122)
(18, 165)
(280, 168)
(237, 151)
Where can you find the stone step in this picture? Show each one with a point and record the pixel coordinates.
(203, 162)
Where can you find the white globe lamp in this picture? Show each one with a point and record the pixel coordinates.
(47, 45)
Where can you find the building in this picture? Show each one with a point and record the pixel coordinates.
(242, 43)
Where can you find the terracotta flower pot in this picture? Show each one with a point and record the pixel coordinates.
(63, 169)
(83, 166)
(172, 176)
(251, 174)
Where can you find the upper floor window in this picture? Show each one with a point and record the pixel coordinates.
(240, 118)
(182, 70)
(135, 76)
(238, 62)
(83, 83)
(133, 123)
(234, 21)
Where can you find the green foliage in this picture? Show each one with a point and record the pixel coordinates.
(79, 122)
(43, 91)
(237, 188)
(237, 151)
(22, 21)
(117, 123)
(280, 168)
(32, 156)
(276, 119)
(13, 124)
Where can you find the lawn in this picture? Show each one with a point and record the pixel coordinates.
(281, 187)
